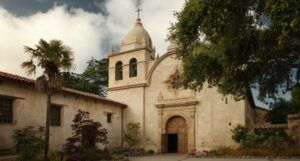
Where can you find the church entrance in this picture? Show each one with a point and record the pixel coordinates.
(177, 135)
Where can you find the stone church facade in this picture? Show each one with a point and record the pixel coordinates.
(142, 88)
(172, 119)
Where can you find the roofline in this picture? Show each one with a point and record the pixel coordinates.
(252, 102)
(9, 76)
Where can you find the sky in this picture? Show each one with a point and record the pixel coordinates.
(89, 27)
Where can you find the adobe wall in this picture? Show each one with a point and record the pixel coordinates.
(30, 109)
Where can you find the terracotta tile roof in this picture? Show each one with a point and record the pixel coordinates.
(64, 89)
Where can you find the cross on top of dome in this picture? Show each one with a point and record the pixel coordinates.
(138, 12)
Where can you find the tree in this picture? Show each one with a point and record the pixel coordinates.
(296, 94)
(86, 133)
(29, 142)
(280, 110)
(237, 45)
(131, 134)
(51, 57)
(93, 80)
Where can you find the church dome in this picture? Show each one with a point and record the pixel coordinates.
(136, 38)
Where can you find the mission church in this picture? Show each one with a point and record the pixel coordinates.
(172, 119)
(142, 88)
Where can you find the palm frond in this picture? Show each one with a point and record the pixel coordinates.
(29, 66)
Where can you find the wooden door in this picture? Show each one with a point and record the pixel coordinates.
(178, 125)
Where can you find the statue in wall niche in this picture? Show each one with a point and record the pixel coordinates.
(174, 81)
(160, 96)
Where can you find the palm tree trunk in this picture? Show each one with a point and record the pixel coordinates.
(47, 134)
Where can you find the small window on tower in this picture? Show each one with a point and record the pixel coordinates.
(119, 71)
(133, 67)
(109, 117)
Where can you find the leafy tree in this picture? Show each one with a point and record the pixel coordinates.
(93, 80)
(72, 80)
(95, 76)
(280, 110)
(51, 57)
(237, 45)
(296, 94)
(131, 134)
(86, 133)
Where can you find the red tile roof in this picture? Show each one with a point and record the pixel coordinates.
(64, 89)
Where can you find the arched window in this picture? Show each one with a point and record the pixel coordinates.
(119, 71)
(133, 67)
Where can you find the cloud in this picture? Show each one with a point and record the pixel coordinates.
(77, 29)
(87, 33)
(156, 17)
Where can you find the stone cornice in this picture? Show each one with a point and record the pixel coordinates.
(127, 86)
(124, 52)
(165, 104)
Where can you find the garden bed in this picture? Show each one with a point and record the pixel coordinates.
(227, 152)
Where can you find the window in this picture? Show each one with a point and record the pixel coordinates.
(109, 117)
(6, 110)
(133, 67)
(119, 70)
(55, 112)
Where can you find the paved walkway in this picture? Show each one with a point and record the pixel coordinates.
(174, 157)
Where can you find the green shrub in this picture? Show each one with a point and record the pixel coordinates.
(29, 142)
(222, 151)
(240, 134)
(57, 157)
(5, 152)
(131, 134)
(86, 133)
(260, 138)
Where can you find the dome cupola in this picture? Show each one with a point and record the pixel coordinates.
(136, 38)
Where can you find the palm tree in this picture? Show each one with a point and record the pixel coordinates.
(51, 57)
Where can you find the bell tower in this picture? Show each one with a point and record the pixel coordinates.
(129, 67)
(128, 71)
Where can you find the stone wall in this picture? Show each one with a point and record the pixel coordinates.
(294, 127)
(260, 115)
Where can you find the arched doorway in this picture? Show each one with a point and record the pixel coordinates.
(176, 135)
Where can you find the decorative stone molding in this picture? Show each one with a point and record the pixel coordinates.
(160, 59)
(126, 87)
(176, 104)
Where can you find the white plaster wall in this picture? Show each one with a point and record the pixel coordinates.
(31, 110)
(133, 98)
(213, 115)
